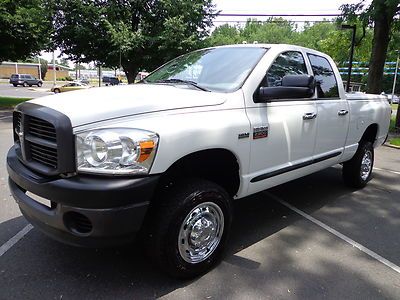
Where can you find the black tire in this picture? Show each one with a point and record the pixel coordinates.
(25, 84)
(353, 169)
(15, 85)
(165, 225)
(30, 85)
(56, 91)
(39, 84)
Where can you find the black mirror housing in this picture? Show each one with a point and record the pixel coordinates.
(293, 87)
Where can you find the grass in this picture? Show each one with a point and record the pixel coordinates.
(395, 141)
(395, 106)
(9, 102)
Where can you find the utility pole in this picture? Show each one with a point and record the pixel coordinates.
(99, 75)
(40, 69)
(397, 122)
(54, 69)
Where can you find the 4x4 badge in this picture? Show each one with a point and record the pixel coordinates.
(260, 132)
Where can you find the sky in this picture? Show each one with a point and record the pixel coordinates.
(269, 7)
(279, 7)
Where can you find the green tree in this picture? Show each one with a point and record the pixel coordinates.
(138, 34)
(381, 15)
(25, 28)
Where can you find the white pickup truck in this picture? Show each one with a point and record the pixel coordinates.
(166, 157)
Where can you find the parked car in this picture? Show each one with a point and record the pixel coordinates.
(165, 158)
(72, 86)
(83, 80)
(111, 80)
(25, 80)
(394, 100)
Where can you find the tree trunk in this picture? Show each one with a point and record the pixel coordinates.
(378, 56)
(131, 71)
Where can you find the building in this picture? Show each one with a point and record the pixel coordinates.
(9, 68)
(61, 72)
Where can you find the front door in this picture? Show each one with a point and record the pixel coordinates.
(289, 136)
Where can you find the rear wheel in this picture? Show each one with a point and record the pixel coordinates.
(56, 91)
(15, 85)
(188, 231)
(357, 171)
(39, 84)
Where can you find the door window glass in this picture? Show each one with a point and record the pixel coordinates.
(287, 63)
(327, 86)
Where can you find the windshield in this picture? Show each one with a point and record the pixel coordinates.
(217, 69)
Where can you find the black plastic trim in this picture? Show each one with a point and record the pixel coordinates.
(65, 144)
(114, 208)
(294, 167)
(82, 191)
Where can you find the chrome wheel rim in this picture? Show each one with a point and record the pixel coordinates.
(201, 232)
(366, 165)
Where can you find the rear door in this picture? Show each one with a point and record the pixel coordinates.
(332, 111)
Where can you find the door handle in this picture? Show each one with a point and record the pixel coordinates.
(342, 112)
(309, 116)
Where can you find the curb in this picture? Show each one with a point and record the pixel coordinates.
(391, 146)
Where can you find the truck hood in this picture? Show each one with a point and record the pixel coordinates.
(98, 104)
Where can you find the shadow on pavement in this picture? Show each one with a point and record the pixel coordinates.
(281, 252)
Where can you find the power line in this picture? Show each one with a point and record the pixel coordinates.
(273, 21)
(277, 15)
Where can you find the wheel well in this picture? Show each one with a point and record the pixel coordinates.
(217, 165)
(370, 133)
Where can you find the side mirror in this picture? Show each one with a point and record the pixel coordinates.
(293, 87)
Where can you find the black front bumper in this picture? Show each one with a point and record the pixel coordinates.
(85, 210)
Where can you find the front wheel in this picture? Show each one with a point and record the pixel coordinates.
(358, 171)
(188, 231)
(25, 84)
(56, 91)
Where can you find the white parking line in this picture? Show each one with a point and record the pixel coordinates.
(338, 234)
(15, 239)
(386, 170)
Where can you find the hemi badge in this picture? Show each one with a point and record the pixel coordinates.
(243, 135)
(260, 132)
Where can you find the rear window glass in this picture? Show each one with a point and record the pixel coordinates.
(327, 86)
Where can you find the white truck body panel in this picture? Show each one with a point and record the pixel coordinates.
(189, 120)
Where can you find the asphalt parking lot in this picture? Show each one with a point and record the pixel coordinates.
(312, 238)
(7, 90)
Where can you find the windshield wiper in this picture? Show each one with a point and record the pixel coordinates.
(176, 80)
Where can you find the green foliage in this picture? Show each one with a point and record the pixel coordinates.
(25, 28)
(139, 34)
(324, 36)
(395, 141)
(381, 14)
(7, 102)
(272, 31)
(43, 68)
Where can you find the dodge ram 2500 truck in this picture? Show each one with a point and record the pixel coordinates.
(166, 157)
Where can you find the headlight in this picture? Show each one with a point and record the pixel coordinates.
(116, 151)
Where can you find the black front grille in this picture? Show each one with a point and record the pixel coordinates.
(42, 132)
(42, 129)
(17, 121)
(44, 155)
(43, 139)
